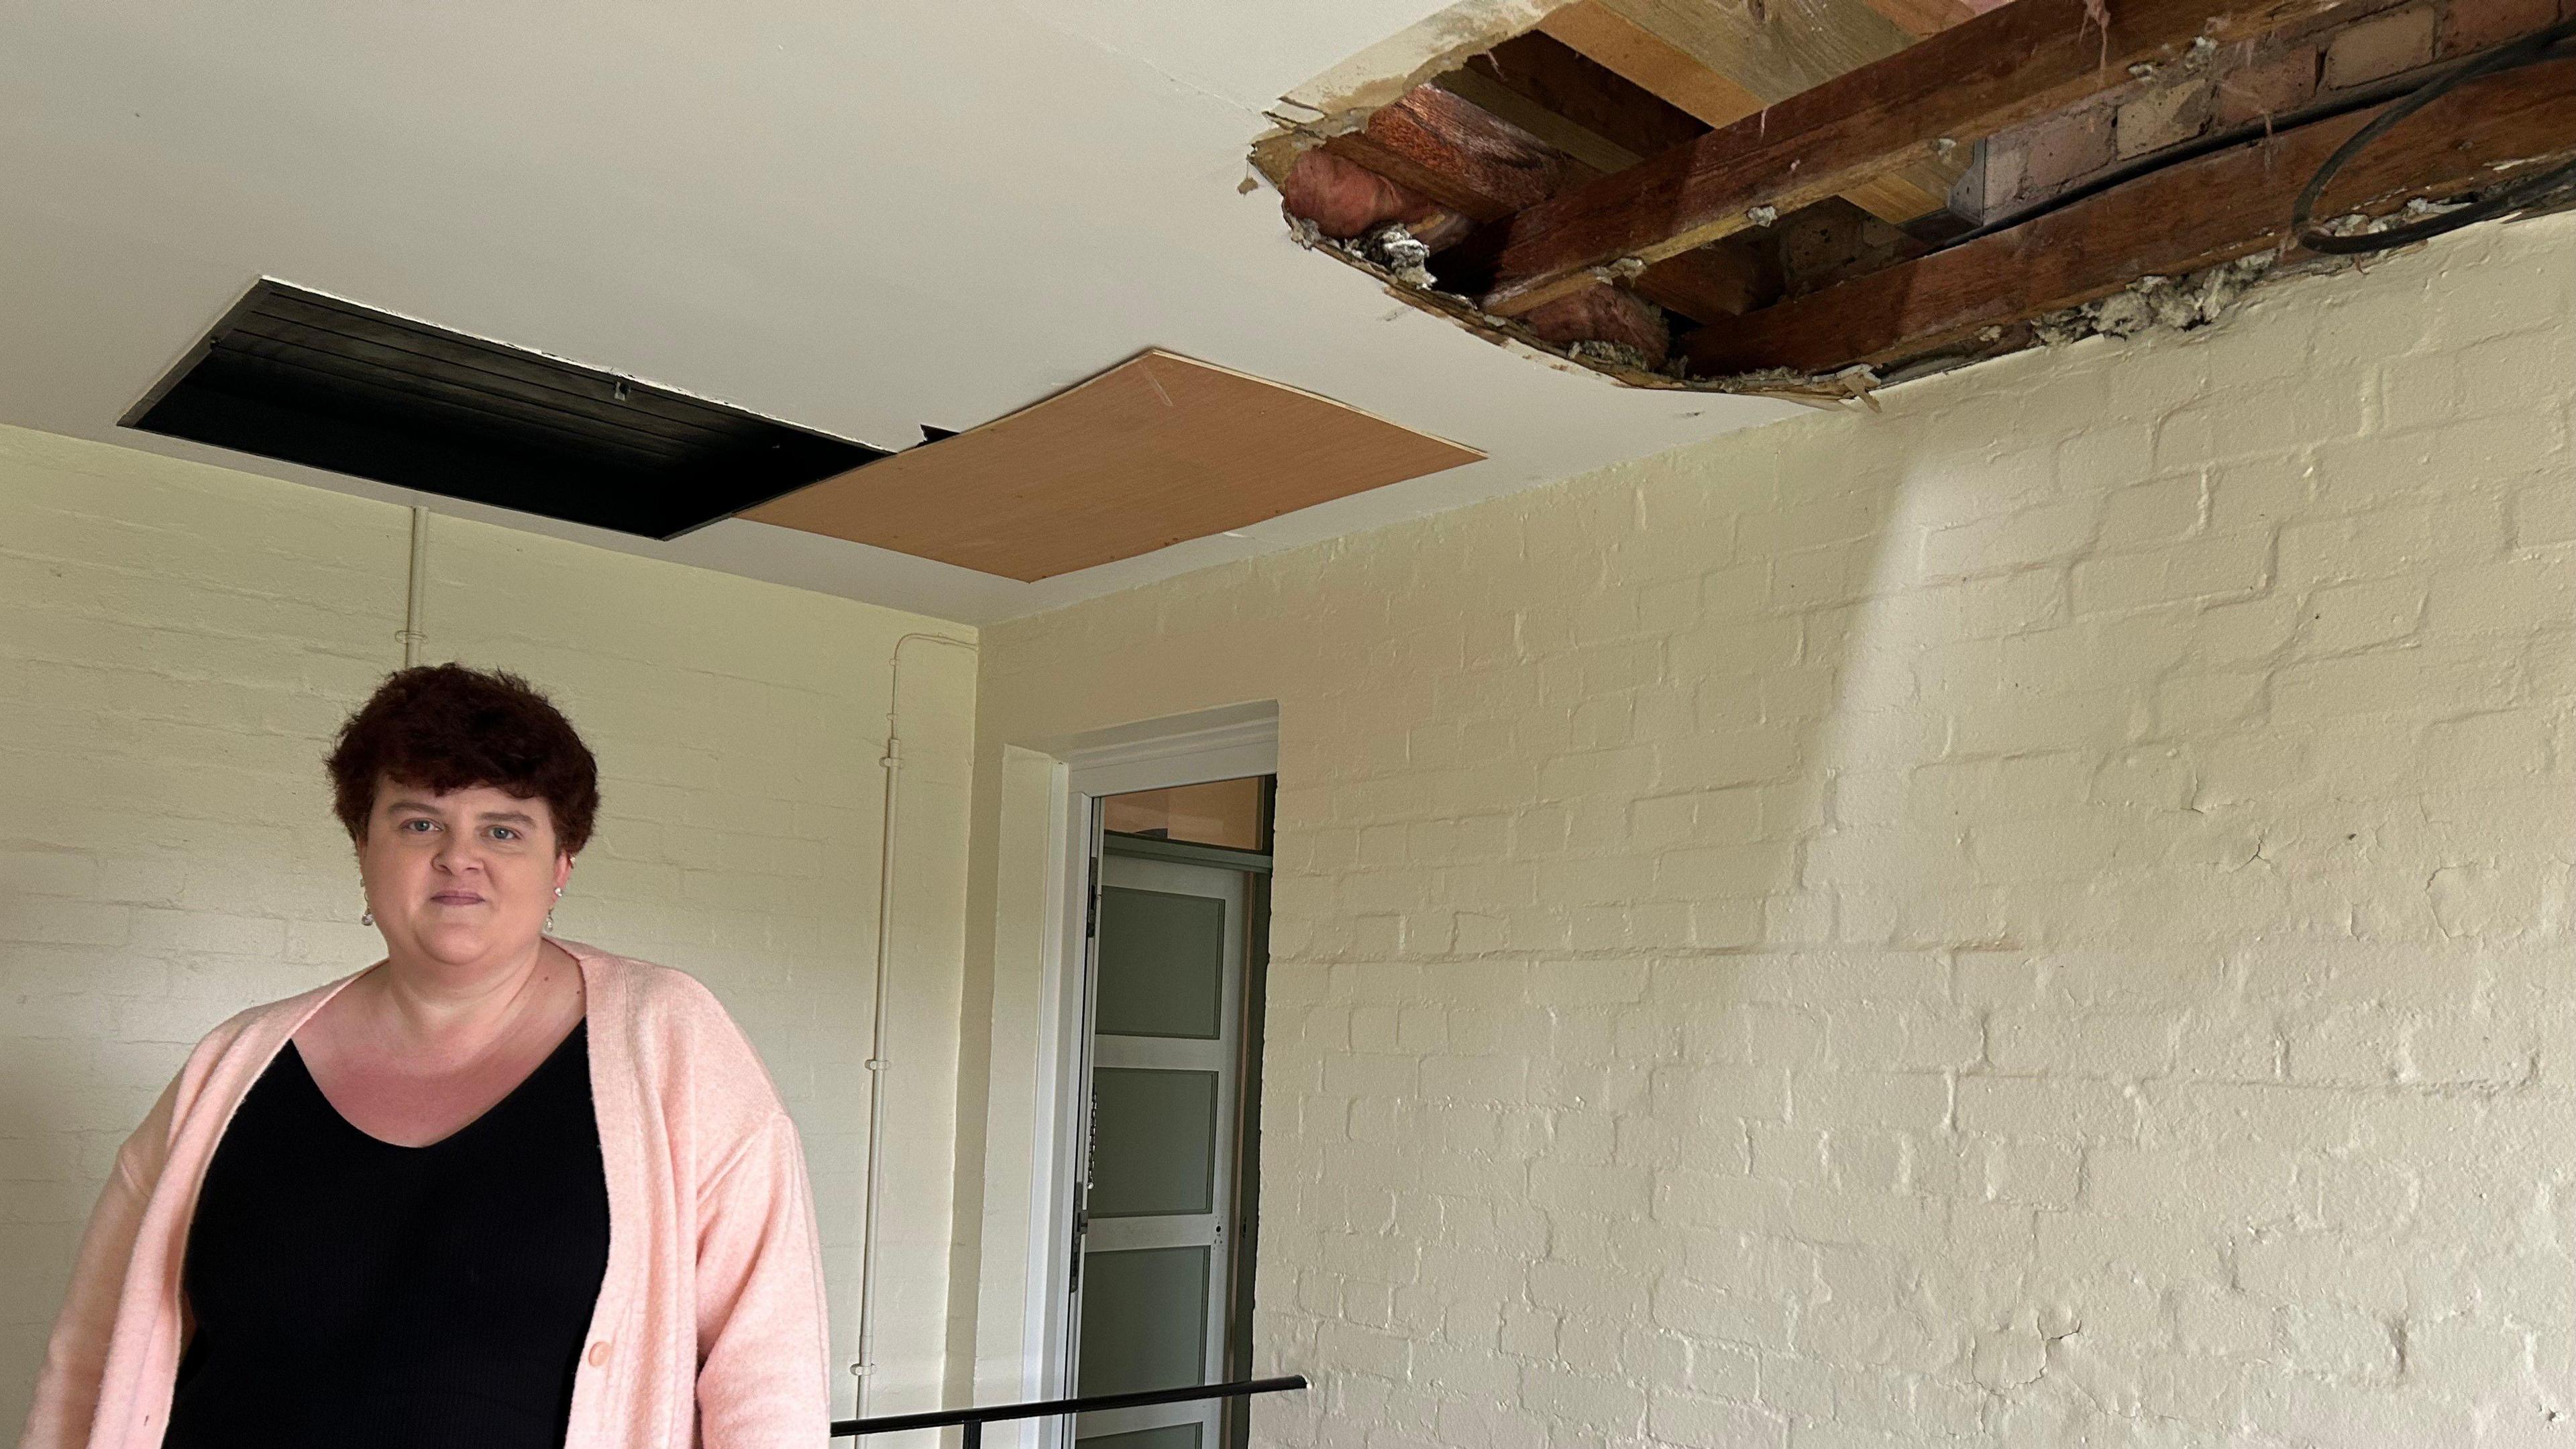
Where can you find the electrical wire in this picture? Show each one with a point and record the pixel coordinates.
(2510, 196)
(2412, 95)
(2342, 105)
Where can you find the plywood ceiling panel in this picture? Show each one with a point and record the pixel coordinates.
(1159, 449)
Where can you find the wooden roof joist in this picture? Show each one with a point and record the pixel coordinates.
(2194, 214)
(1554, 198)
(1723, 62)
(1459, 154)
(1563, 97)
(2009, 65)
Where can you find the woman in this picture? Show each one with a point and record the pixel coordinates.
(496, 1190)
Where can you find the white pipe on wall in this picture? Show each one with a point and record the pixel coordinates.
(416, 589)
(877, 1063)
(415, 610)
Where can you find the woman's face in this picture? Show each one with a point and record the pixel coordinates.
(461, 877)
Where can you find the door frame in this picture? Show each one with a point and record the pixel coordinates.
(1221, 744)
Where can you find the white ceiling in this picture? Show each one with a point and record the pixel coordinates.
(857, 217)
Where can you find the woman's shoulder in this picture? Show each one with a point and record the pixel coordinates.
(221, 1066)
(670, 1035)
(669, 1015)
(645, 991)
(261, 1029)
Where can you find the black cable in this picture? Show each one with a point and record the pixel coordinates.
(2495, 201)
(2502, 58)
(2358, 100)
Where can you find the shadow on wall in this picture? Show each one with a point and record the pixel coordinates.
(2037, 912)
(62, 1119)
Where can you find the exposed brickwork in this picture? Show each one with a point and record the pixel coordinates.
(2269, 85)
(1833, 241)
(2380, 47)
(2040, 917)
(2167, 116)
(2472, 25)
(2353, 45)
(177, 643)
(2062, 148)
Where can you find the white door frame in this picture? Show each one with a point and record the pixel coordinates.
(1220, 744)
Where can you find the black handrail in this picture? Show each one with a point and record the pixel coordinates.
(974, 1420)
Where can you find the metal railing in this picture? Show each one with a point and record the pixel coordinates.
(974, 1420)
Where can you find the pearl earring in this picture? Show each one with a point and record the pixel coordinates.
(550, 914)
(366, 918)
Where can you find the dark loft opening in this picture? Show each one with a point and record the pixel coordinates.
(304, 378)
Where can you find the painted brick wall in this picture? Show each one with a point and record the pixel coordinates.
(178, 643)
(2038, 917)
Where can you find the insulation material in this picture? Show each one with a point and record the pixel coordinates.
(1155, 451)
(1345, 199)
(1620, 325)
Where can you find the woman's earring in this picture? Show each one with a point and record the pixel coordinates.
(550, 911)
(366, 918)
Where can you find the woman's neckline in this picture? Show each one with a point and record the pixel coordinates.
(580, 1027)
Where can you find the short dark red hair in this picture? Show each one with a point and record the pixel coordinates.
(443, 727)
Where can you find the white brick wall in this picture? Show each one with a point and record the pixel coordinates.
(178, 643)
(2038, 917)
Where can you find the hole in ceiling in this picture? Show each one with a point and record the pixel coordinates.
(305, 378)
(1815, 200)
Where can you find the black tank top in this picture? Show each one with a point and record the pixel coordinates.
(346, 1291)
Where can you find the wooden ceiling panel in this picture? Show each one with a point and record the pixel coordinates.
(1724, 62)
(1155, 451)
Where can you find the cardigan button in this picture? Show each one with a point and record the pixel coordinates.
(599, 1353)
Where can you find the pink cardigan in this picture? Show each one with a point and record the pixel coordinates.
(710, 1327)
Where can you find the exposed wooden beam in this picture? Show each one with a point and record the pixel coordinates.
(1622, 45)
(1711, 283)
(2191, 215)
(1647, 59)
(1434, 143)
(1777, 50)
(1773, 50)
(1912, 191)
(1486, 93)
(1561, 96)
(1920, 18)
(2008, 65)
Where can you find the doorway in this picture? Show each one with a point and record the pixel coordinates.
(1167, 1176)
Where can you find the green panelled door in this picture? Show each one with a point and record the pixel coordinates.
(1166, 996)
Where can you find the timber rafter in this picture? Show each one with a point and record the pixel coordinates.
(1635, 146)
(2009, 65)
